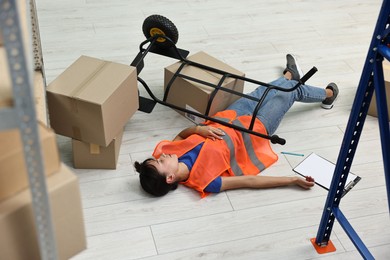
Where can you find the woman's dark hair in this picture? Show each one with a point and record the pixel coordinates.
(151, 180)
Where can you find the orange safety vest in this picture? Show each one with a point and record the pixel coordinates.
(238, 153)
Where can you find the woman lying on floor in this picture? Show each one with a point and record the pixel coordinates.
(212, 158)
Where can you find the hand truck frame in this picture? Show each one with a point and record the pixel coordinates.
(157, 29)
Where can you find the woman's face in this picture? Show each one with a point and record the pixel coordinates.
(166, 164)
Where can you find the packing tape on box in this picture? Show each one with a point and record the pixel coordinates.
(83, 84)
(94, 149)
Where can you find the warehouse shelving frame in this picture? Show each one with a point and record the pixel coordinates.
(372, 78)
(22, 114)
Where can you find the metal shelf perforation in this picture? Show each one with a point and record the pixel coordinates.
(22, 115)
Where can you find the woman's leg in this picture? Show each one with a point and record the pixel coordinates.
(277, 103)
(245, 106)
(274, 109)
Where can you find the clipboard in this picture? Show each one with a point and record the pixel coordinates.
(322, 171)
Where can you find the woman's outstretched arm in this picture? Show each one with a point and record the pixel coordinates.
(261, 182)
(205, 131)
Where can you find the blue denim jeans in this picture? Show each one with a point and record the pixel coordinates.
(277, 103)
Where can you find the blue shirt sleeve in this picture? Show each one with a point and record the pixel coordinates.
(214, 186)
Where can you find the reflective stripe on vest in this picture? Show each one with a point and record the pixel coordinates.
(248, 146)
(233, 162)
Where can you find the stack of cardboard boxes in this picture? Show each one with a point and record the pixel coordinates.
(194, 96)
(91, 101)
(18, 239)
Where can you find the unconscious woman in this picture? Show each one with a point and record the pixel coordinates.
(211, 157)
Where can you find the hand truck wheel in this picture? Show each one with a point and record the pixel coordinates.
(160, 25)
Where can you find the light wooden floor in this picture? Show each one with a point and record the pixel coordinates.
(122, 222)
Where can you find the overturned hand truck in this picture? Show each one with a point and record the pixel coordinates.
(162, 36)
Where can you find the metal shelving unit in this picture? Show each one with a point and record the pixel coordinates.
(372, 79)
(22, 114)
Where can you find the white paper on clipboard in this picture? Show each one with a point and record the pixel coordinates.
(322, 171)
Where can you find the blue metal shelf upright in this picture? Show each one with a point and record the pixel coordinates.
(371, 79)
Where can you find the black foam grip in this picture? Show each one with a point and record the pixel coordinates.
(308, 75)
(277, 140)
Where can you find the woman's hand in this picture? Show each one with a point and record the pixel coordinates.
(306, 183)
(209, 132)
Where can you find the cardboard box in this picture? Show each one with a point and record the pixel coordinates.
(40, 97)
(13, 171)
(372, 110)
(6, 95)
(92, 100)
(5, 82)
(195, 96)
(18, 233)
(92, 156)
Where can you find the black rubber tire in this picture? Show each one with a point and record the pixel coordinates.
(158, 24)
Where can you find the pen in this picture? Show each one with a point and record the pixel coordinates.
(296, 154)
